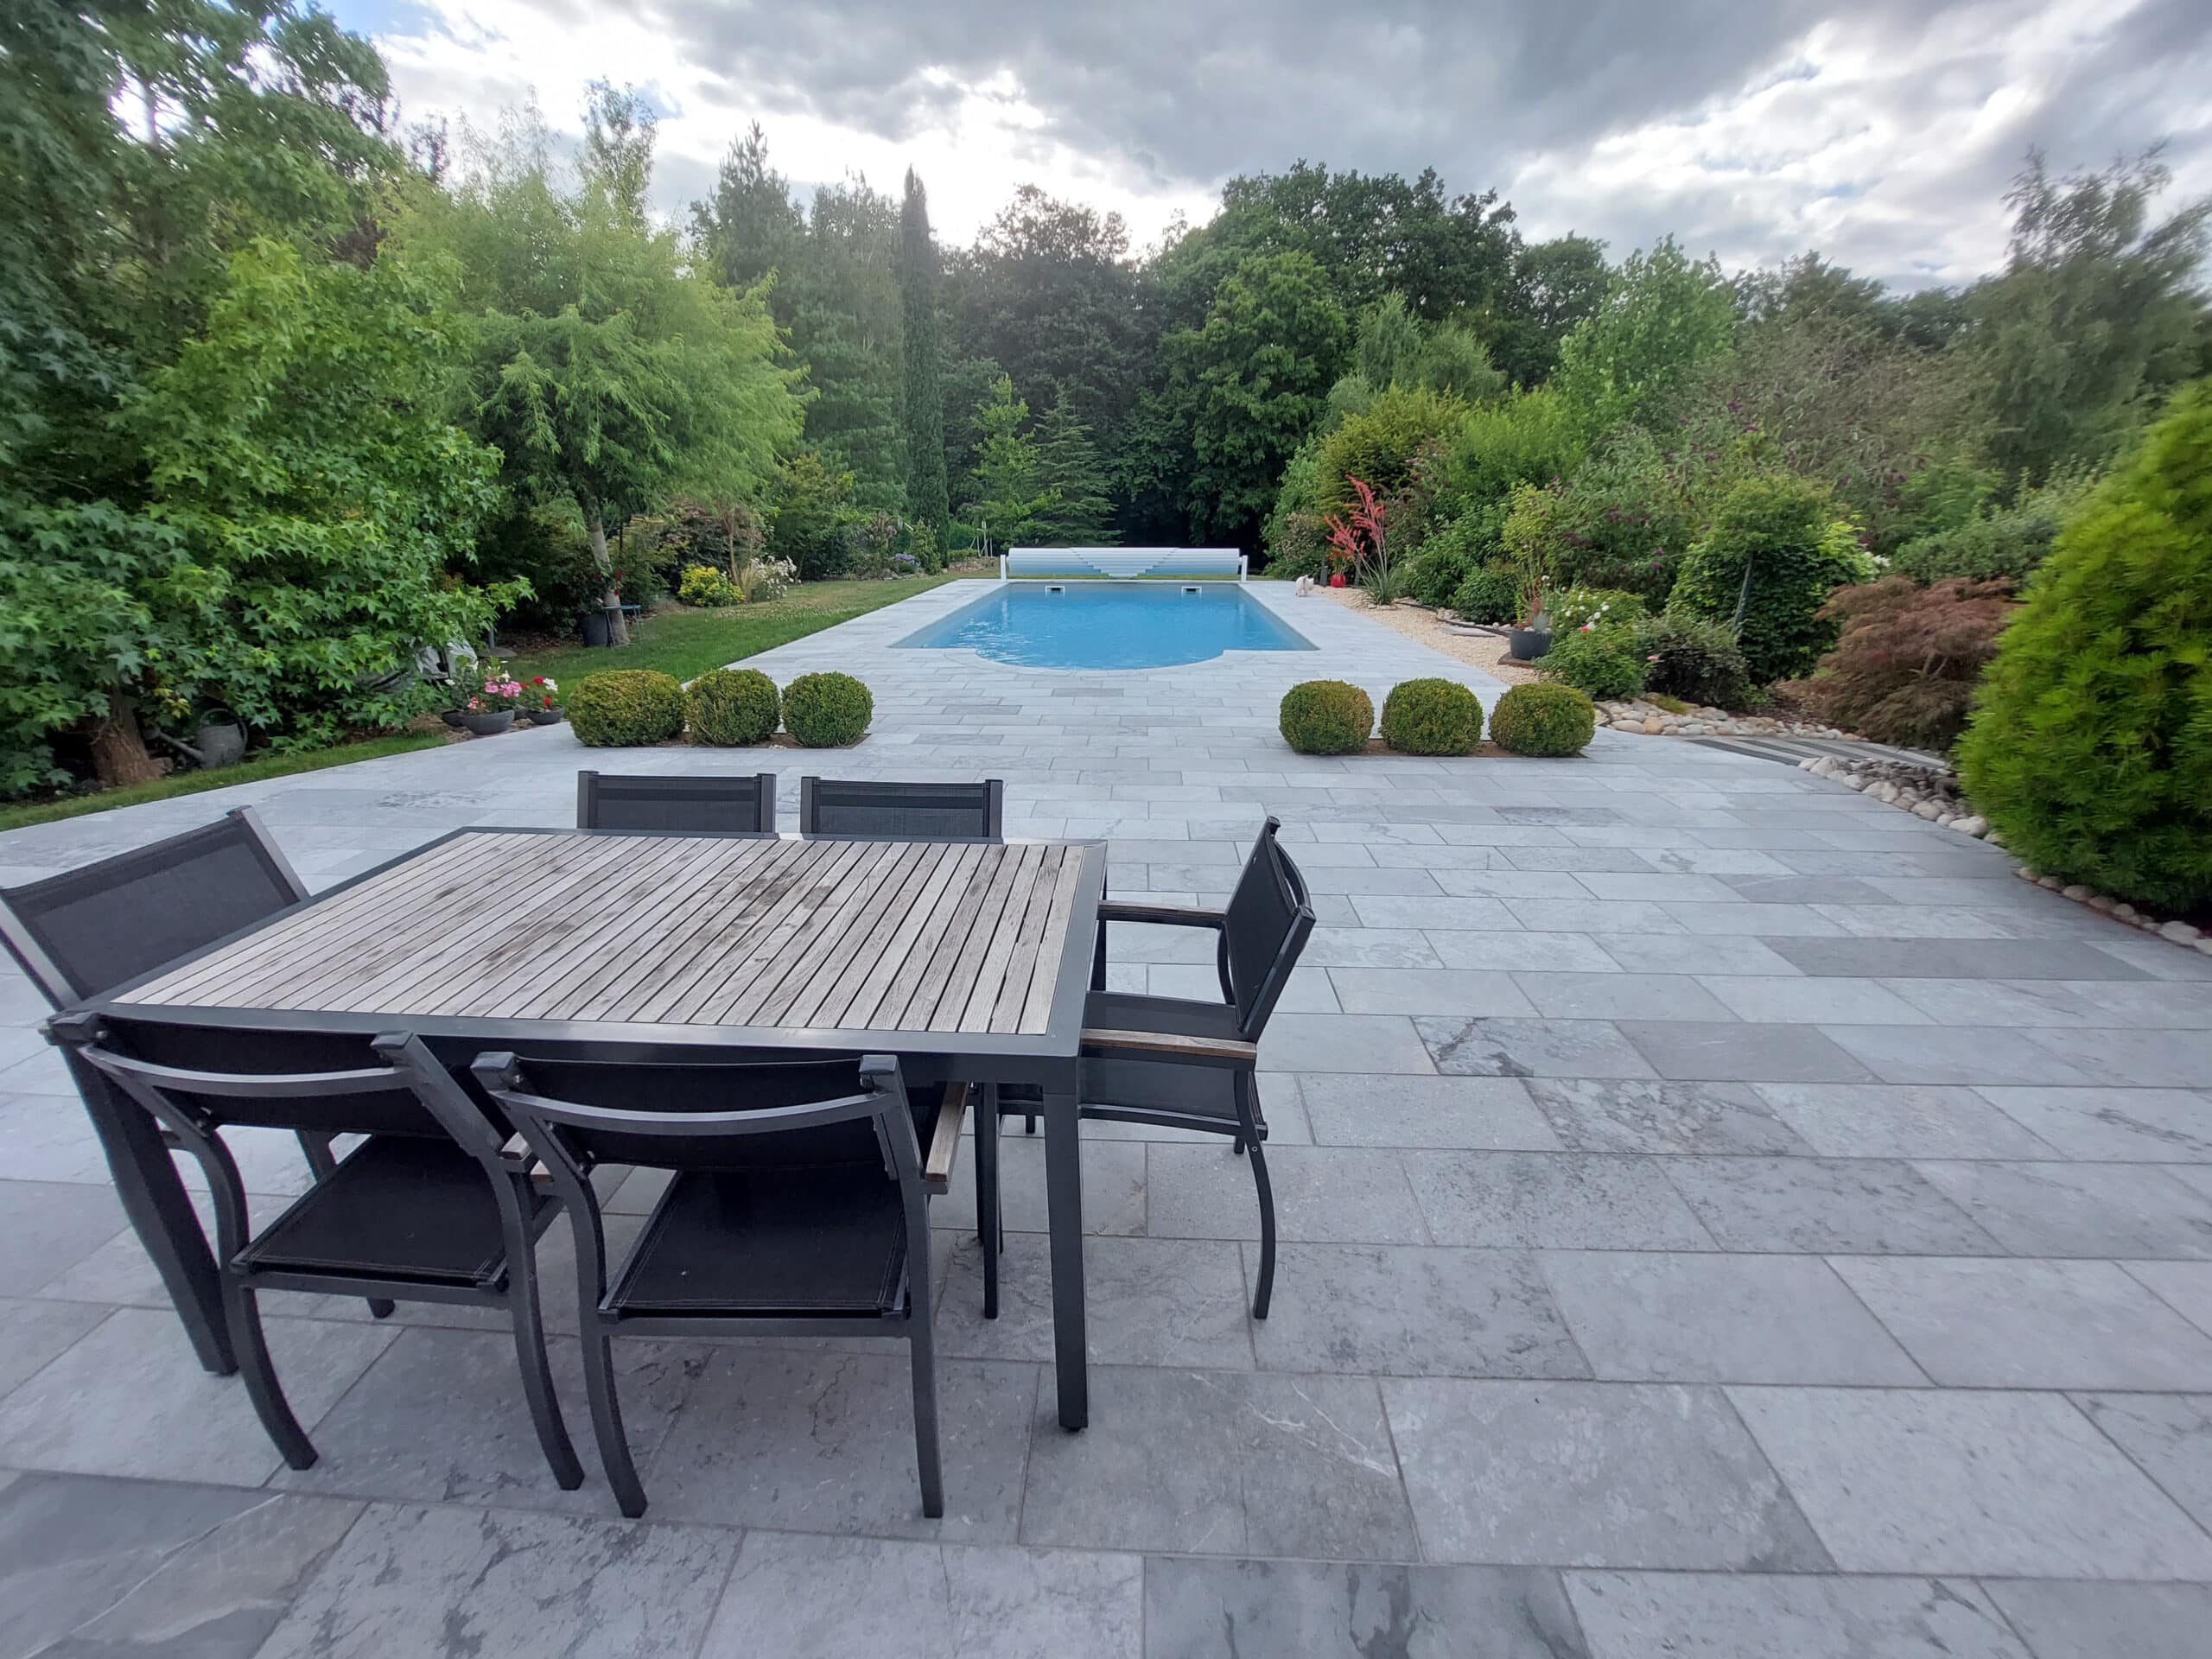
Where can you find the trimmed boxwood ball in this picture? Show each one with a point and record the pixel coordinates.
(1431, 717)
(1543, 720)
(827, 711)
(732, 705)
(626, 707)
(1326, 717)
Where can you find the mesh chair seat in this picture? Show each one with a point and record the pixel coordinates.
(773, 1242)
(398, 1208)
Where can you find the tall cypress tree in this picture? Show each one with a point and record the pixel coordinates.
(925, 486)
(1079, 514)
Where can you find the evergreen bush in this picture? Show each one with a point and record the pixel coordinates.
(1601, 662)
(1326, 717)
(626, 706)
(727, 706)
(1432, 716)
(1490, 593)
(1690, 657)
(1798, 551)
(827, 711)
(1543, 720)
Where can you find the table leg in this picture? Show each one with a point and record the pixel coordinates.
(1064, 1195)
(161, 1214)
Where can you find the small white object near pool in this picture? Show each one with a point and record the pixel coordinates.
(1121, 562)
(1110, 625)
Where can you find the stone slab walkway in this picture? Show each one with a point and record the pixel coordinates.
(1721, 1216)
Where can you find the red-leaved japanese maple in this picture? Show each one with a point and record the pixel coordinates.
(1904, 668)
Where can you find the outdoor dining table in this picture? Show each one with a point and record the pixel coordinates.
(964, 960)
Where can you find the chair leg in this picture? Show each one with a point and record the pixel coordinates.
(606, 1426)
(990, 1232)
(322, 1163)
(1261, 1296)
(243, 1313)
(921, 1340)
(1029, 1123)
(537, 1372)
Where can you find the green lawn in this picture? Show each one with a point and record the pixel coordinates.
(192, 783)
(687, 643)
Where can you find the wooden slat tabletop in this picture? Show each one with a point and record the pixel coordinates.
(831, 935)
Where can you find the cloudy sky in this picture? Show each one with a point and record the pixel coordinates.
(1880, 131)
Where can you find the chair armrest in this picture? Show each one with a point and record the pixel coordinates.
(1123, 910)
(1203, 1051)
(945, 1142)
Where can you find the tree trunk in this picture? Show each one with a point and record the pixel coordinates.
(617, 626)
(119, 756)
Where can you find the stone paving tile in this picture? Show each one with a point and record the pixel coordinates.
(90, 1566)
(1591, 1474)
(2115, 1125)
(1903, 957)
(32, 1333)
(420, 1580)
(48, 1227)
(1769, 1616)
(1683, 953)
(2087, 1210)
(1322, 1194)
(1660, 1317)
(1409, 1312)
(1529, 1048)
(791, 1593)
(1456, 1113)
(1806, 1001)
(1866, 1120)
(2067, 1620)
(1551, 1200)
(1617, 996)
(1735, 1050)
(1365, 1043)
(1148, 1301)
(1525, 952)
(2030, 1325)
(1823, 1205)
(1199, 1609)
(1431, 990)
(2185, 1287)
(128, 1398)
(2170, 1437)
(1967, 1054)
(2155, 1059)
(2020, 1485)
(1221, 1462)
(1632, 1115)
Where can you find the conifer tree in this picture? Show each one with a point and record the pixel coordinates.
(925, 486)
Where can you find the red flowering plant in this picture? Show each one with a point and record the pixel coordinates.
(540, 695)
(1359, 544)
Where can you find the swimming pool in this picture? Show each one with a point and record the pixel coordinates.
(1109, 624)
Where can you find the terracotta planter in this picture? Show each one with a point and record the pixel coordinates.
(489, 725)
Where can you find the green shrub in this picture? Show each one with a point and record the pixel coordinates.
(1326, 717)
(704, 584)
(827, 711)
(1607, 606)
(2091, 747)
(1690, 657)
(1379, 444)
(1798, 551)
(1299, 547)
(1543, 720)
(1431, 717)
(732, 705)
(1905, 667)
(2008, 543)
(1489, 594)
(1599, 662)
(626, 706)
(1620, 522)
(1454, 551)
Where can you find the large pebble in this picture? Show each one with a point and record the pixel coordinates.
(2181, 933)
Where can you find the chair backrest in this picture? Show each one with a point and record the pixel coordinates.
(697, 806)
(92, 929)
(702, 1115)
(1269, 920)
(834, 807)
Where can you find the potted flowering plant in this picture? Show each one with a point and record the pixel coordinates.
(541, 701)
(492, 708)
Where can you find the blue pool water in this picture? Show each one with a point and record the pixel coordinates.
(1110, 625)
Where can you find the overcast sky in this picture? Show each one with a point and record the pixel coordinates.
(1881, 132)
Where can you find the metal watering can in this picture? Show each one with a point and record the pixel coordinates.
(222, 741)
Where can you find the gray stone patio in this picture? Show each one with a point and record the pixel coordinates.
(1722, 1216)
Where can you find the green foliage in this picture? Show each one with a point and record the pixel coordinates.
(1529, 438)
(1691, 658)
(2091, 747)
(2008, 542)
(1904, 668)
(1255, 375)
(625, 707)
(1005, 491)
(1077, 513)
(706, 585)
(827, 711)
(1380, 446)
(1775, 552)
(846, 322)
(1432, 716)
(1326, 717)
(726, 706)
(1622, 521)
(927, 491)
(808, 504)
(1608, 608)
(1396, 350)
(1555, 285)
(1543, 720)
(1600, 662)
(1488, 593)
(1298, 546)
(1664, 316)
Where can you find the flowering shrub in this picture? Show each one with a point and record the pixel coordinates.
(1359, 544)
(501, 690)
(765, 579)
(1593, 608)
(541, 695)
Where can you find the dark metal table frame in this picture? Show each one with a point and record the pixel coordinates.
(155, 1199)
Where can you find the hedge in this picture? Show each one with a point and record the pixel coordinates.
(1435, 716)
(731, 706)
(827, 711)
(626, 706)
(1326, 717)
(1543, 720)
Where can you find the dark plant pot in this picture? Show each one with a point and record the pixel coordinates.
(453, 717)
(595, 627)
(222, 743)
(543, 716)
(489, 725)
(1526, 644)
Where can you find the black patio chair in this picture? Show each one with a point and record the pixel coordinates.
(799, 1207)
(690, 806)
(1178, 1064)
(830, 808)
(93, 928)
(431, 1207)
